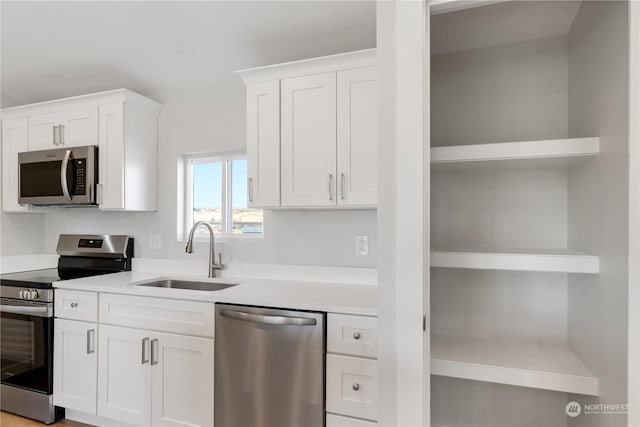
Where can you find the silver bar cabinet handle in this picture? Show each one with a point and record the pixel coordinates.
(55, 135)
(250, 188)
(342, 186)
(154, 351)
(91, 345)
(268, 320)
(61, 134)
(329, 186)
(63, 175)
(145, 358)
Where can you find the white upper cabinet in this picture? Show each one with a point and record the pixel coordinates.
(263, 144)
(43, 132)
(72, 128)
(124, 126)
(313, 143)
(14, 141)
(79, 127)
(309, 140)
(357, 131)
(127, 152)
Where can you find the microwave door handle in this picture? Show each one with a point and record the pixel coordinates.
(63, 174)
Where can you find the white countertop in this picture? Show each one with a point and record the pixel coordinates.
(304, 295)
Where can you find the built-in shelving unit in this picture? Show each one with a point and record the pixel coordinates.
(521, 364)
(549, 260)
(522, 154)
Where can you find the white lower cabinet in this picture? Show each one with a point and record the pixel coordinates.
(181, 381)
(75, 365)
(340, 421)
(123, 374)
(352, 371)
(151, 378)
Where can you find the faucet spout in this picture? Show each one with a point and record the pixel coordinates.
(213, 267)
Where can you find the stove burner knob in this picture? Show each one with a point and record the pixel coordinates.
(33, 294)
(21, 294)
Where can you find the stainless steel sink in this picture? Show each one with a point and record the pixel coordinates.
(186, 284)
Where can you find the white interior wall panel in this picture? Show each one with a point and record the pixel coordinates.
(513, 92)
(468, 403)
(505, 305)
(512, 209)
(598, 200)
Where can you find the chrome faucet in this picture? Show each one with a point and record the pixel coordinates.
(213, 268)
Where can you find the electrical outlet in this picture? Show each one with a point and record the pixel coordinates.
(362, 245)
(155, 241)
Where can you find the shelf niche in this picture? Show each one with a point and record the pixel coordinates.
(547, 367)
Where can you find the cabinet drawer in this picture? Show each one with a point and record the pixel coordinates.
(352, 386)
(76, 305)
(340, 421)
(158, 314)
(353, 335)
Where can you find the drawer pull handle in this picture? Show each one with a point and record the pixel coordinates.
(74, 305)
(145, 358)
(356, 335)
(91, 341)
(356, 386)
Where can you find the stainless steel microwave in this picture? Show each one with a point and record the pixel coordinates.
(65, 176)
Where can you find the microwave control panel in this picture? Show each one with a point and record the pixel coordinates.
(81, 175)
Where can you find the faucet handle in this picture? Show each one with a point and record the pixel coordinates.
(220, 259)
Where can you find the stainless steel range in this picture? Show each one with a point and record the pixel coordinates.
(26, 307)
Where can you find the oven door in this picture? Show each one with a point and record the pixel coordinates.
(58, 177)
(26, 344)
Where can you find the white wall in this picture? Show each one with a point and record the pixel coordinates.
(598, 200)
(213, 120)
(20, 234)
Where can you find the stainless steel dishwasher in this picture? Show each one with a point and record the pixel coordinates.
(269, 367)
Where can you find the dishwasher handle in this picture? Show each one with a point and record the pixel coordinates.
(268, 319)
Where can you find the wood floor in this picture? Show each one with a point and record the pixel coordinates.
(10, 420)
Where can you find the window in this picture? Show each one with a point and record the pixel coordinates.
(216, 192)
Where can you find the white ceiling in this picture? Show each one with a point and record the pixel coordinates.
(56, 49)
(501, 23)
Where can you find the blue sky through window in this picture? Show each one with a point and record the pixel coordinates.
(239, 184)
(207, 184)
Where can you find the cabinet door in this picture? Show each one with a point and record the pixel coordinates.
(75, 365)
(357, 136)
(309, 140)
(182, 381)
(14, 141)
(124, 377)
(43, 132)
(111, 156)
(79, 127)
(263, 144)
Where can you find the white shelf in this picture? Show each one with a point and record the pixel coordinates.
(526, 365)
(550, 260)
(523, 154)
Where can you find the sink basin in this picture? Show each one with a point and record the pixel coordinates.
(186, 284)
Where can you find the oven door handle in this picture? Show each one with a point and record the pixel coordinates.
(63, 174)
(44, 310)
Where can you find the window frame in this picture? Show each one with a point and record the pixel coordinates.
(226, 220)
